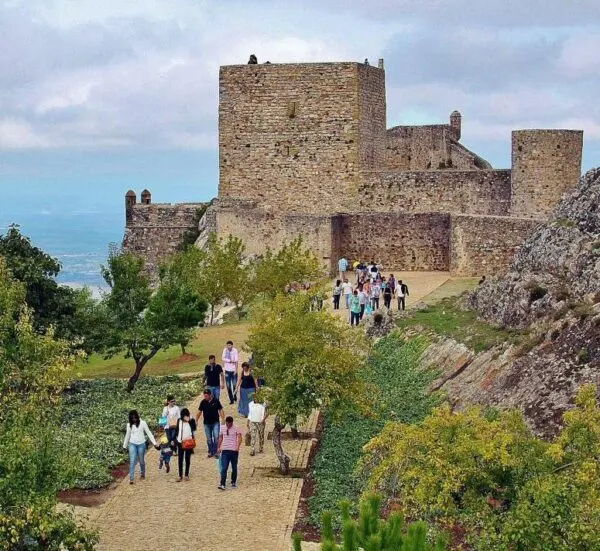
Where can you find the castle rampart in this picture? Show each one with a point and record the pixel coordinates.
(462, 192)
(545, 164)
(304, 150)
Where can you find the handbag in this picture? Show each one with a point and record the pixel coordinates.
(189, 444)
(162, 421)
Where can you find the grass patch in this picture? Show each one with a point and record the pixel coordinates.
(94, 418)
(445, 318)
(208, 340)
(451, 288)
(402, 396)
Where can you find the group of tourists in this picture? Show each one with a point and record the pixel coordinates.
(223, 436)
(371, 287)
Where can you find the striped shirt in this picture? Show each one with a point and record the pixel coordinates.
(230, 440)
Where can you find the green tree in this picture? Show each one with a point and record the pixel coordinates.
(51, 304)
(292, 263)
(34, 369)
(309, 360)
(139, 323)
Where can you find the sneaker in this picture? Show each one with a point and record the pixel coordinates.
(209, 455)
(252, 452)
(221, 487)
(131, 482)
(187, 479)
(143, 477)
(167, 467)
(234, 484)
(179, 479)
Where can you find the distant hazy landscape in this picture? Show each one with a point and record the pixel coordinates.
(78, 240)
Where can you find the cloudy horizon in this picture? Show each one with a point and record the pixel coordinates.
(118, 94)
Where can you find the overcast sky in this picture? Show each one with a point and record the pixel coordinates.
(97, 96)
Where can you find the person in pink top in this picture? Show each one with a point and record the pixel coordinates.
(230, 440)
(230, 363)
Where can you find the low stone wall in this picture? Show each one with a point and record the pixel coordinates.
(398, 241)
(462, 192)
(486, 245)
(156, 231)
(259, 229)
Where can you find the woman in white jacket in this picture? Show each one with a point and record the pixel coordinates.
(135, 442)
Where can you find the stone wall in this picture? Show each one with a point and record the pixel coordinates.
(397, 241)
(293, 136)
(156, 231)
(260, 229)
(465, 192)
(545, 165)
(486, 245)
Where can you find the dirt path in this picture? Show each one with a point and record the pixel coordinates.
(420, 284)
(161, 514)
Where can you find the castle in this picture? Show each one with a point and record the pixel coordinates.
(304, 149)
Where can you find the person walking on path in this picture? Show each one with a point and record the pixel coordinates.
(337, 293)
(392, 284)
(355, 309)
(375, 294)
(186, 430)
(257, 417)
(230, 363)
(230, 441)
(172, 413)
(135, 442)
(214, 377)
(347, 290)
(363, 298)
(246, 387)
(211, 408)
(387, 295)
(342, 267)
(402, 292)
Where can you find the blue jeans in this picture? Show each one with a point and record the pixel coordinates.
(227, 457)
(347, 298)
(231, 379)
(216, 391)
(212, 437)
(137, 451)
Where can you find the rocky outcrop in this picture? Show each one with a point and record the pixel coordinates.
(557, 268)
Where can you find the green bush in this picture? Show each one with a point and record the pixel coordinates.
(372, 533)
(491, 475)
(401, 395)
(94, 417)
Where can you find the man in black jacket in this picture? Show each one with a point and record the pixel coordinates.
(402, 293)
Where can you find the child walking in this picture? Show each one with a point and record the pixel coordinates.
(165, 453)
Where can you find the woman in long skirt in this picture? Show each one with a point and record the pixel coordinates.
(246, 387)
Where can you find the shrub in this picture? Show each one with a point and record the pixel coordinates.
(372, 533)
(507, 488)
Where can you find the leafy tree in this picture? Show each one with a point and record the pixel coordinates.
(309, 360)
(34, 369)
(293, 263)
(51, 304)
(490, 474)
(372, 533)
(138, 322)
(175, 302)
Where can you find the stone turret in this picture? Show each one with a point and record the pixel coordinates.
(146, 197)
(130, 201)
(456, 122)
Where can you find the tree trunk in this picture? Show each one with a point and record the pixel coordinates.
(139, 365)
(182, 347)
(284, 460)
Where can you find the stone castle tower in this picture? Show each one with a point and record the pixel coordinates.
(304, 149)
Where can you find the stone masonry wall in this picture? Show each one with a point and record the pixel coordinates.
(156, 231)
(465, 192)
(293, 136)
(418, 147)
(398, 241)
(372, 114)
(545, 164)
(485, 245)
(260, 229)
